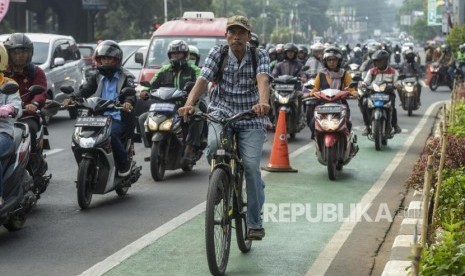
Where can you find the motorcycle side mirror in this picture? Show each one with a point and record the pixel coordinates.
(36, 89)
(189, 85)
(67, 89)
(145, 84)
(9, 88)
(128, 92)
(305, 68)
(357, 78)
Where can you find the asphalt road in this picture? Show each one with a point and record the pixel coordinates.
(60, 239)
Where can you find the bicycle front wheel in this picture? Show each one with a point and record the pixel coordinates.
(218, 214)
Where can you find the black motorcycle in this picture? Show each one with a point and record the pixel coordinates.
(18, 194)
(91, 145)
(285, 93)
(167, 132)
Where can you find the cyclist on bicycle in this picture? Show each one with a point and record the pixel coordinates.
(239, 90)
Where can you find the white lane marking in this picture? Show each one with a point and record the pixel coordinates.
(53, 151)
(326, 257)
(149, 238)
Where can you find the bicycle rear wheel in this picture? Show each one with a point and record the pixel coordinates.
(218, 214)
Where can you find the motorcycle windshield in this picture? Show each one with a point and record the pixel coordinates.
(167, 93)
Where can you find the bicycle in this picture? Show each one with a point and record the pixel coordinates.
(226, 198)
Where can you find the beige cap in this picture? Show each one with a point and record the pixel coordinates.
(239, 20)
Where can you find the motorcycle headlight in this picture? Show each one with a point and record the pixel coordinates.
(86, 142)
(379, 88)
(408, 88)
(151, 124)
(166, 125)
(331, 122)
(283, 99)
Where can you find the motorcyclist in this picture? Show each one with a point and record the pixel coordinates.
(357, 56)
(20, 68)
(10, 105)
(410, 67)
(302, 54)
(332, 76)
(194, 55)
(381, 71)
(272, 54)
(107, 84)
(177, 74)
(290, 65)
(461, 59)
(447, 58)
(314, 62)
(367, 63)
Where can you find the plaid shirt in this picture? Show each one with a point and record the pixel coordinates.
(237, 92)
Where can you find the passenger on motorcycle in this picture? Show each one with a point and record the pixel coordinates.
(20, 68)
(381, 71)
(410, 67)
(176, 74)
(10, 105)
(194, 55)
(314, 62)
(302, 54)
(332, 76)
(107, 84)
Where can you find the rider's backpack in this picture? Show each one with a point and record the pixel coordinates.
(222, 64)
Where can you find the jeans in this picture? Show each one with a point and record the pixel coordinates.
(250, 142)
(6, 143)
(119, 150)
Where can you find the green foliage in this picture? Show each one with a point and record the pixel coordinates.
(456, 37)
(452, 201)
(422, 32)
(459, 126)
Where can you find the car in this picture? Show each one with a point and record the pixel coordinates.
(130, 46)
(131, 64)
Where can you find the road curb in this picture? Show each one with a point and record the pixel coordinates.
(401, 251)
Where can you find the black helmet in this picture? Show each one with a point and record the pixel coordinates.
(19, 41)
(178, 46)
(332, 51)
(304, 49)
(380, 54)
(108, 48)
(409, 55)
(254, 40)
(290, 47)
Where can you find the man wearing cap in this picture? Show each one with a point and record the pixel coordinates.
(239, 90)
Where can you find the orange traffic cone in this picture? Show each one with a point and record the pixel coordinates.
(279, 159)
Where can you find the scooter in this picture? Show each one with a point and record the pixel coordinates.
(17, 183)
(91, 145)
(167, 132)
(439, 76)
(335, 144)
(408, 94)
(285, 95)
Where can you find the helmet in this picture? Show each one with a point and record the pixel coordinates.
(108, 48)
(332, 52)
(317, 46)
(280, 48)
(380, 54)
(462, 47)
(272, 51)
(3, 58)
(20, 41)
(178, 46)
(445, 48)
(409, 55)
(194, 51)
(357, 49)
(371, 48)
(254, 40)
(304, 49)
(290, 47)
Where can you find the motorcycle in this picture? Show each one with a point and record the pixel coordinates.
(167, 132)
(380, 112)
(285, 94)
(354, 71)
(18, 194)
(397, 59)
(37, 165)
(439, 76)
(335, 144)
(408, 94)
(91, 146)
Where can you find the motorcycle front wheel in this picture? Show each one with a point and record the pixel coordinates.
(86, 177)
(157, 164)
(331, 162)
(433, 83)
(410, 103)
(378, 133)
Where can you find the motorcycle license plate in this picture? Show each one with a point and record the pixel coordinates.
(285, 87)
(329, 109)
(379, 97)
(163, 108)
(91, 121)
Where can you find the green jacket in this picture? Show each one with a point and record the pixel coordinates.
(168, 77)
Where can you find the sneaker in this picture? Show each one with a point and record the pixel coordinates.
(125, 171)
(256, 234)
(397, 129)
(366, 131)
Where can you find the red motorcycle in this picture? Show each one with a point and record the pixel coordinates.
(439, 76)
(335, 144)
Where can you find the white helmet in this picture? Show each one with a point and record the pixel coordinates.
(317, 46)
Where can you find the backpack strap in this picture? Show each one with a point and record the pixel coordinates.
(222, 64)
(254, 51)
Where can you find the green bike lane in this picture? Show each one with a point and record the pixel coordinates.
(303, 211)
